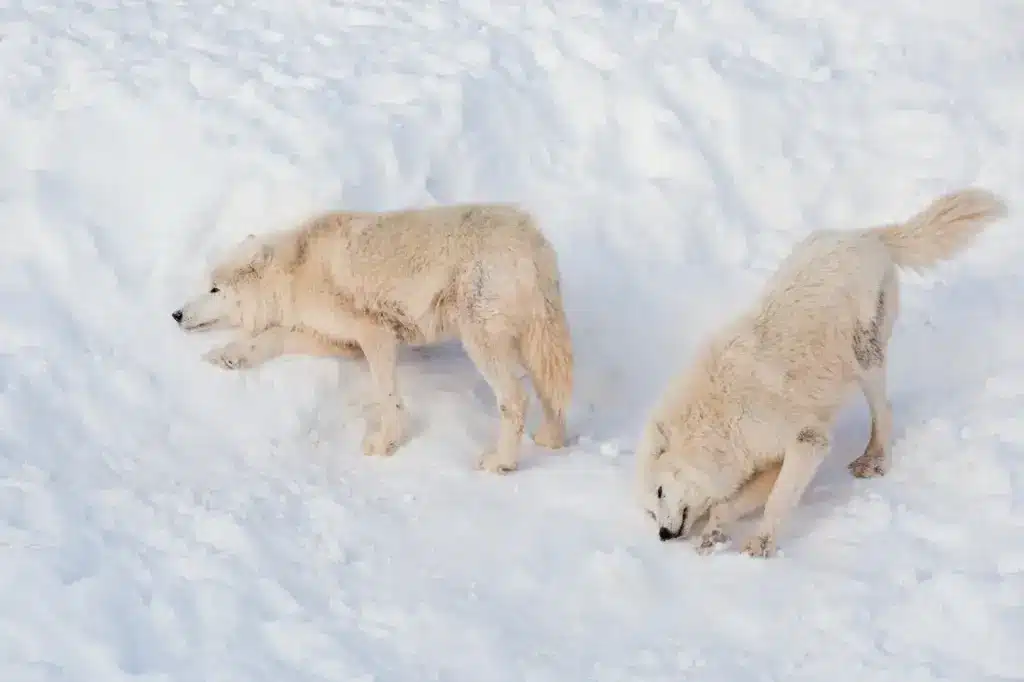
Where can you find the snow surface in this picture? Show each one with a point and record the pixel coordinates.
(164, 520)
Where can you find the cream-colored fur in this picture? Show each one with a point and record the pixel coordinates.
(748, 424)
(347, 284)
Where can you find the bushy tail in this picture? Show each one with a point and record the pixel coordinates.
(546, 350)
(944, 228)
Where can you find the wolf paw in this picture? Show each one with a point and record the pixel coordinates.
(490, 461)
(869, 465)
(379, 443)
(710, 540)
(550, 437)
(760, 546)
(231, 356)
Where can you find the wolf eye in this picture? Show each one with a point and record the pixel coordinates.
(214, 290)
(661, 493)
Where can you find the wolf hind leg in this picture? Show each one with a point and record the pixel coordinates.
(876, 458)
(496, 358)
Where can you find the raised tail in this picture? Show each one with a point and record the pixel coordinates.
(944, 228)
(546, 350)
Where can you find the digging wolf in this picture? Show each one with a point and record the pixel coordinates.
(748, 425)
(347, 283)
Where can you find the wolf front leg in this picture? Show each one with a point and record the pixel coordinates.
(253, 351)
(799, 465)
(303, 342)
(495, 356)
(380, 346)
(381, 349)
(749, 498)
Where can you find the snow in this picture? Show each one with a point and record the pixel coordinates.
(163, 520)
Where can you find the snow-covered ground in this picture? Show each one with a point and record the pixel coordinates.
(164, 520)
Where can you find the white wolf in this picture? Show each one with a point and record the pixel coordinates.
(351, 283)
(748, 424)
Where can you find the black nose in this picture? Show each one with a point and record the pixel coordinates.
(177, 316)
(665, 534)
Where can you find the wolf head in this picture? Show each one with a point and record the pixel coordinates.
(243, 292)
(676, 485)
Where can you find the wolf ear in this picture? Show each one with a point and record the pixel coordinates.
(262, 257)
(661, 441)
(653, 443)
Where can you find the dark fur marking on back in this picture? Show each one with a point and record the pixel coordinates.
(812, 436)
(867, 340)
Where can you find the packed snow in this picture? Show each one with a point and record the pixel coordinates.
(161, 519)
